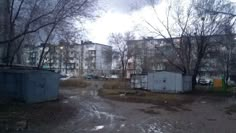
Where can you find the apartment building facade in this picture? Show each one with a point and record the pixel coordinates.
(97, 59)
(87, 58)
(146, 55)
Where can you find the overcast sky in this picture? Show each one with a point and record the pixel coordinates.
(121, 16)
(116, 16)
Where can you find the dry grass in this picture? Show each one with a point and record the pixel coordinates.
(170, 102)
(116, 84)
(78, 83)
(121, 91)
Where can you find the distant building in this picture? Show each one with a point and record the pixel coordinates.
(87, 58)
(221, 57)
(31, 55)
(145, 56)
(97, 59)
(63, 58)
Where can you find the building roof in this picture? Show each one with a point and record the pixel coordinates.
(92, 43)
(164, 39)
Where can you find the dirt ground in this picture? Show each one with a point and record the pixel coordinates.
(83, 111)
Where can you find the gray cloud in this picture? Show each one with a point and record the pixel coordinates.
(124, 6)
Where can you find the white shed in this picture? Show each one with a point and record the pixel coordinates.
(163, 81)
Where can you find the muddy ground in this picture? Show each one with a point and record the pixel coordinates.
(83, 111)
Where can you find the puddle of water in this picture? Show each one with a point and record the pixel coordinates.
(96, 128)
(96, 111)
(65, 101)
(74, 97)
(153, 128)
(153, 125)
(107, 115)
(89, 93)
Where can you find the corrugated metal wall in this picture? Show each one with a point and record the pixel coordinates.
(30, 86)
(167, 82)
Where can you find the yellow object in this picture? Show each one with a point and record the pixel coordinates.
(218, 83)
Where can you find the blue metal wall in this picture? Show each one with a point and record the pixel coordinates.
(30, 86)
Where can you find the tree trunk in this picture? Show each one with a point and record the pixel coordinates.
(226, 76)
(194, 83)
(4, 28)
(195, 73)
(44, 46)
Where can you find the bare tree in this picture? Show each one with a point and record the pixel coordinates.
(220, 8)
(226, 52)
(119, 43)
(31, 16)
(190, 33)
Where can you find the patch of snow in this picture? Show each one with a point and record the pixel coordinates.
(65, 101)
(74, 97)
(122, 125)
(66, 78)
(96, 128)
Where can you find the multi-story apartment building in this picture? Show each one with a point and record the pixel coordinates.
(147, 55)
(221, 57)
(87, 58)
(31, 55)
(97, 58)
(62, 58)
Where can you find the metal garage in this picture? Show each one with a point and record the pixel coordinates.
(163, 81)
